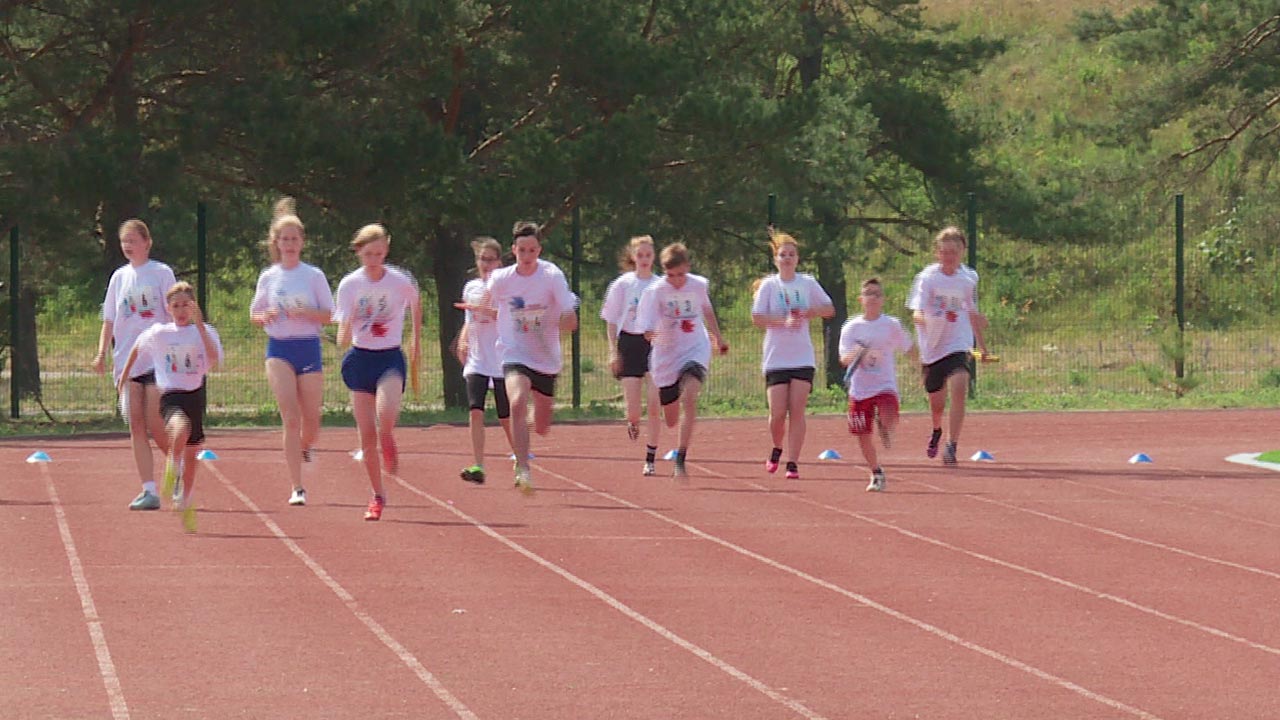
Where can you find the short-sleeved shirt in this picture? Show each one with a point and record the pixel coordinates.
(788, 347)
(375, 309)
(945, 301)
(675, 317)
(134, 302)
(876, 372)
(482, 335)
(622, 300)
(529, 310)
(915, 284)
(179, 355)
(302, 287)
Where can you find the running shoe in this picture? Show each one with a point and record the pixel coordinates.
(524, 483)
(375, 508)
(877, 481)
(793, 471)
(473, 474)
(771, 466)
(633, 431)
(145, 501)
(949, 454)
(678, 472)
(189, 518)
(298, 497)
(934, 439)
(170, 478)
(649, 469)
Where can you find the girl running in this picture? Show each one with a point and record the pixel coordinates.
(293, 302)
(182, 353)
(678, 320)
(628, 348)
(370, 312)
(784, 303)
(478, 352)
(135, 302)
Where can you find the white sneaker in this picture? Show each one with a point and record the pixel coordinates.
(524, 483)
(298, 497)
(649, 469)
(877, 481)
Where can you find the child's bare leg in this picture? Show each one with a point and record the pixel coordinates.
(777, 396)
(388, 398)
(654, 410)
(155, 422)
(364, 408)
(690, 389)
(188, 472)
(138, 426)
(284, 385)
(543, 409)
(518, 391)
(475, 421)
(797, 403)
(958, 384)
(868, 446)
(631, 391)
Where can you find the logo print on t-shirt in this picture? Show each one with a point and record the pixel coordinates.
(686, 326)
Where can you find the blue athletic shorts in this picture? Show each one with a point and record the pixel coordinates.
(363, 369)
(302, 353)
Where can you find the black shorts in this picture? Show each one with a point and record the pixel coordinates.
(633, 349)
(542, 383)
(671, 393)
(786, 375)
(190, 403)
(936, 373)
(478, 387)
(146, 378)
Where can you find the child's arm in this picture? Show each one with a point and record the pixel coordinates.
(128, 365)
(415, 311)
(99, 364)
(713, 327)
(344, 333)
(211, 349)
(462, 346)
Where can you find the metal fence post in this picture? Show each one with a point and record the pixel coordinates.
(1179, 282)
(575, 271)
(15, 406)
(202, 263)
(971, 231)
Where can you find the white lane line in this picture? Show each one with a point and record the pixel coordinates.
(401, 652)
(668, 635)
(861, 599)
(106, 668)
(1111, 533)
(1099, 594)
(1251, 459)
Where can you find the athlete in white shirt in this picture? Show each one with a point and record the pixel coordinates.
(135, 302)
(477, 349)
(678, 320)
(628, 349)
(783, 305)
(868, 344)
(534, 306)
(293, 302)
(945, 312)
(370, 310)
(182, 353)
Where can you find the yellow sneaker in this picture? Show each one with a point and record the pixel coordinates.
(170, 477)
(189, 518)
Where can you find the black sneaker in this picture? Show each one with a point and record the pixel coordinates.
(949, 454)
(473, 474)
(934, 439)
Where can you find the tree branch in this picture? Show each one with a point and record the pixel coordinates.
(1223, 140)
(493, 141)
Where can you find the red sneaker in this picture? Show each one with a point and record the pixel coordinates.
(375, 509)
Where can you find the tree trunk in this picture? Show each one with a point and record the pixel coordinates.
(452, 258)
(831, 276)
(124, 199)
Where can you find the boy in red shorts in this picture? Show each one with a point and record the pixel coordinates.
(868, 344)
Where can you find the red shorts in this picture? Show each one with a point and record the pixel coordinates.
(862, 413)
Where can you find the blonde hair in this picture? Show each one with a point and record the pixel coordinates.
(284, 215)
(370, 233)
(627, 259)
(134, 225)
(179, 288)
(675, 255)
(778, 239)
(950, 234)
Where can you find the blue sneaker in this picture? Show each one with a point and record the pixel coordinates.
(145, 501)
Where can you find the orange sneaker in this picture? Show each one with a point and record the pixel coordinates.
(375, 508)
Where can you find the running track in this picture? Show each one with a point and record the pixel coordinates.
(1058, 582)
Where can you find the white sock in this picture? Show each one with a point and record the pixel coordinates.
(149, 486)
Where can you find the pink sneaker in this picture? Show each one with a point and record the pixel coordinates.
(770, 466)
(375, 509)
(793, 471)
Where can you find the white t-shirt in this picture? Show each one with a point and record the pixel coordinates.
(302, 287)
(178, 354)
(675, 318)
(882, 338)
(529, 310)
(946, 301)
(134, 302)
(482, 335)
(915, 284)
(622, 300)
(375, 309)
(786, 348)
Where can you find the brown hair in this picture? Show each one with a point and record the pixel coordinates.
(675, 255)
(873, 280)
(134, 225)
(284, 215)
(526, 228)
(484, 242)
(370, 233)
(627, 259)
(179, 288)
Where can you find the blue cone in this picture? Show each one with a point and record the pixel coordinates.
(206, 454)
(671, 455)
(39, 456)
(1140, 458)
(983, 456)
(828, 455)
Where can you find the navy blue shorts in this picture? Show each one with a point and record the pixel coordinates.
(146, 378)
(362, 369)
(302, 353)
